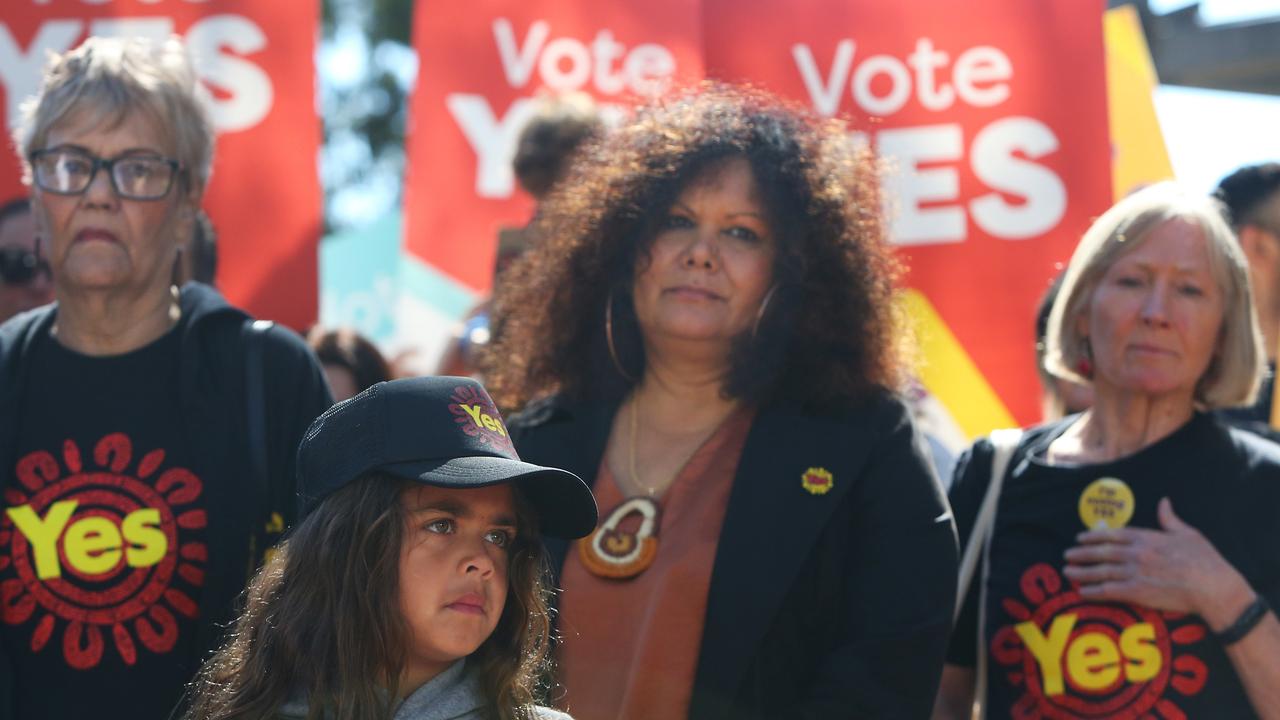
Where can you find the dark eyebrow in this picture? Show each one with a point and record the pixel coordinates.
(677, 205)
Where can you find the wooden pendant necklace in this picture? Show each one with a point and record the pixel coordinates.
(613, 551)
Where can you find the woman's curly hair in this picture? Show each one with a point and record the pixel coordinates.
(830, 334)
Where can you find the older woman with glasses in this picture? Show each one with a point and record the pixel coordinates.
(147, 433)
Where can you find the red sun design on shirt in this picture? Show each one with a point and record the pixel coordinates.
(1080, 659)
(93, 552)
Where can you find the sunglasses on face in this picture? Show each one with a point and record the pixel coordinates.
(19, 266)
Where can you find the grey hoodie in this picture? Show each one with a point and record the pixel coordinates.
(454, 694)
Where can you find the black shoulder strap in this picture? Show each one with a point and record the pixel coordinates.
(252, 332)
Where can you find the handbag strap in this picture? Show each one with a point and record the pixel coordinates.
(1004, 441)
(979, 546)
(253, 334)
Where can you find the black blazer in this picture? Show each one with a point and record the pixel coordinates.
(834, 605)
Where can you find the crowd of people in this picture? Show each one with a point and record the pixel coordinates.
(710, 499)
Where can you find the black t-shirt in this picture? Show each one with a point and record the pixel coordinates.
(1053, 654)
(103, 543)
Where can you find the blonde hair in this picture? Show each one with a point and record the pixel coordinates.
(1233, 376)
(117, 77)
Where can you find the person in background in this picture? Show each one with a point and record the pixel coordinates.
(148, 434)
(25, 279)
(705, 329)
(415, 586)
(1251, 195)
(1131, 563)
(199, 260)
(351, 362)
(550, 140)
(1060, 397)
(940, 438)
(544, 153)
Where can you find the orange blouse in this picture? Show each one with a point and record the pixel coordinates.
(629, 648)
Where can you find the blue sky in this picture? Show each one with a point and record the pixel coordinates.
(1214, 12)
(1210, 133)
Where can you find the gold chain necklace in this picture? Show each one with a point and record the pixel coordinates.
(638, 488)
(613, 552)
(634, 419)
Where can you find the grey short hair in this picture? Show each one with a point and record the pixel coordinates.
(116, 77)
(1234, 374)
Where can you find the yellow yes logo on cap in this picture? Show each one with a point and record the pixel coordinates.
(1106, 503)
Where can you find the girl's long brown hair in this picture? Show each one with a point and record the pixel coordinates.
(322, 620)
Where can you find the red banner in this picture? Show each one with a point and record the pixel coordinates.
(257, 60)
(992, 118)
(991, 115)
(482, 62)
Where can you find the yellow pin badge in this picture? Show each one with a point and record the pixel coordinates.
(817, 480)
(1106, 503)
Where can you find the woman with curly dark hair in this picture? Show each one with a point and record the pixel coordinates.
(706, 331)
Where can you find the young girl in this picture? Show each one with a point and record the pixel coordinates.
(414, 586)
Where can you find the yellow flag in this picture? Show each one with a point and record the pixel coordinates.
(1138, 152)
(951, 375)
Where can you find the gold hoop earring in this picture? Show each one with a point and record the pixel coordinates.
(608, 337)
(764, 304)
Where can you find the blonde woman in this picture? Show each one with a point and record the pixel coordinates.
(1133, 555)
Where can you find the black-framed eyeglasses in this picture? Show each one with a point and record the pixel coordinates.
(69, 171)
(19, 266)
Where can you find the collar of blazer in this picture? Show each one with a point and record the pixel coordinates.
(771, 525)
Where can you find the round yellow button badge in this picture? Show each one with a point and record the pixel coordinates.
(1106, 503)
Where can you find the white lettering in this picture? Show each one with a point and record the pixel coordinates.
(649, 68)
(996, 162)
(605, 50)
(251, 90)
(20, 72)
(899, 89)
(983, 64)
(824, 95)
(517, 63)
(566, 64)
(925, 60)
(155, 29)
(910, 186)
(550, 66)
(493, 141)
(979, 78)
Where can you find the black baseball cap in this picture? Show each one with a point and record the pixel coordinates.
(442, 431)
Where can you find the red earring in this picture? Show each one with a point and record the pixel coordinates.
(1084, 366)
